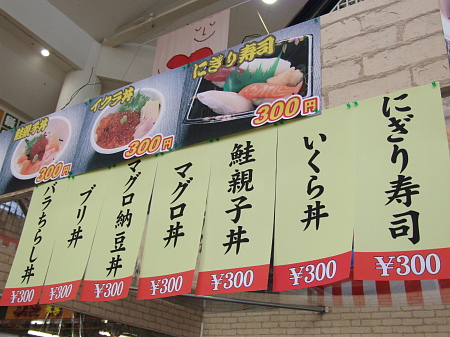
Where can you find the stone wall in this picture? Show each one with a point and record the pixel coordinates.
(380, 46)
(431, 321)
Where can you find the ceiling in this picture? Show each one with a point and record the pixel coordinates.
(30, 84)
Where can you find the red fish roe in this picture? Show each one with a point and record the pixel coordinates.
(117, 129)
(38, 149)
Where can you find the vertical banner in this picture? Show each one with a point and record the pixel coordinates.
(192, 42)
(175, 223)
(78, 223)
(402, 211)
(314, 201)
(119, 231)
(237, 236)
(41, 228)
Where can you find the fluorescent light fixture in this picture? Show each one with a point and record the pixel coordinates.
(38, 321)
(104, 333)
(45, 52)
(269, 1)
(40, 334)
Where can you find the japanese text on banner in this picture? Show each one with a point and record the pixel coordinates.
(239, 215)
(175, 223)
(122, 220)
(315, 188)
(40, 231)
(403, 187)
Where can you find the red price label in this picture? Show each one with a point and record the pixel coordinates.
(403, 265)
(108, 290)
(105, 290)
(60, 292)
(233, 280)
(424, 264)
(313, 272)
(21, 296)
(167, 285)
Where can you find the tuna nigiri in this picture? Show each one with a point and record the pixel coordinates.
(218, 78)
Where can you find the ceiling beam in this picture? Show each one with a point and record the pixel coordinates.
(158, 18)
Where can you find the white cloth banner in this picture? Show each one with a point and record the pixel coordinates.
(192, 42)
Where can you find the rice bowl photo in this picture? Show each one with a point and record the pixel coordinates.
(41, 149)
(116, 126)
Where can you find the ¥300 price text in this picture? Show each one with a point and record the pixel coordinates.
(166, 285)
(22, 296)
(60, 292)
(232, 280)
(404, 265)
(313, 272)
(107, 290)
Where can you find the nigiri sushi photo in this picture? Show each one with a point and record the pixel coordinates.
(234, 92)
(225, 102)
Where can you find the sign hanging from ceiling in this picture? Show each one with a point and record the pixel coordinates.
(264, 81)
(192, 42)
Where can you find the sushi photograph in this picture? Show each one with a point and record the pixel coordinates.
(224, 102)
(235, 92)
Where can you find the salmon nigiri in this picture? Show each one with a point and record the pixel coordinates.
(269, 90)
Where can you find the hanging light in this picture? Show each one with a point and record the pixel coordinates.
(269, 1)
(45, 52)
(40, 333)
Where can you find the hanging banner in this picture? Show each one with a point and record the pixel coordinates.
(402, 165)
(175, 223)
(237, 235)
(315, 198)
(78, 222)
(192, 42)
(119, 231)
(263, 81)
(41, 228)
